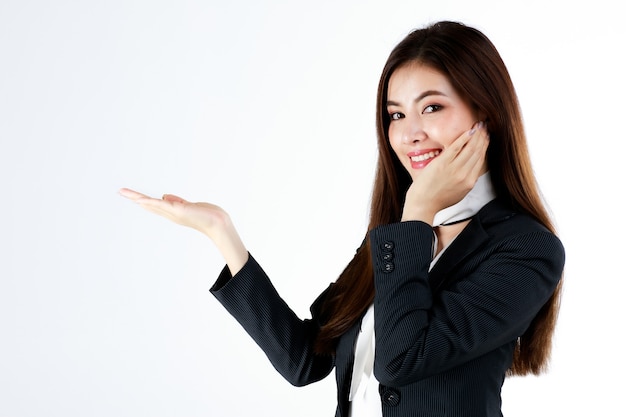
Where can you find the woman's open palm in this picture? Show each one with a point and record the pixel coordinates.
(204, 217)
(207, 218)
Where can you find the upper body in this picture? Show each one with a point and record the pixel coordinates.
(447, 113)
(444, 339)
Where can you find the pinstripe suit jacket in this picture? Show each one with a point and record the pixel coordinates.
(444, 338)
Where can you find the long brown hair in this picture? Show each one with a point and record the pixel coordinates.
(475, 69)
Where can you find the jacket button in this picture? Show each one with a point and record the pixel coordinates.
(388, 267)
(387, 256)
(387, 246)
(391, 397)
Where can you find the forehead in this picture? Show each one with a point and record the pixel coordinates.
(416, 77)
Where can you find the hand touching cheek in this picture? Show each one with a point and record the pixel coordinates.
(433, 131)
(449, 177)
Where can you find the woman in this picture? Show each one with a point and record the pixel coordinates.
(457, 282)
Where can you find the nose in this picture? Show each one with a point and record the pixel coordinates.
(413, 131)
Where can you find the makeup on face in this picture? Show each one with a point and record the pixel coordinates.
(426, 115)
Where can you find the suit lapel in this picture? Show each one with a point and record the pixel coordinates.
(466, 243)
(469, 240)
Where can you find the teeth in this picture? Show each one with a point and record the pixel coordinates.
(424, 156)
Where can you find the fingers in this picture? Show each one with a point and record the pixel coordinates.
(131, 194)
(164, 207)
(171, 210)
(461, 146)
(471, 147)
(137, 196)
(477, 133)
(466, 156)
(478, 144)
(159, 207)
(476, 153)
(200, 216)
(172, 198)
(168, 206)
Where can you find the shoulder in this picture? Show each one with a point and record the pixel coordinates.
(497, 216)
(504, 224)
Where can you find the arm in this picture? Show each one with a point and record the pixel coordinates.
(501, 290)
(286, 340)
(246, 292)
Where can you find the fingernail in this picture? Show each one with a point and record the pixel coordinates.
(477, 126)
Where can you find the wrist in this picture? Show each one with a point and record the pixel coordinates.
(418, 214)
(229, 244)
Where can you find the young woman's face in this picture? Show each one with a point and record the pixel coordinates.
(427, 115)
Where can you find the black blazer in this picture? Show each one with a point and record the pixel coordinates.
(444, 339)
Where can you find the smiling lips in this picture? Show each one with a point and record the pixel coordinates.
(421, 158)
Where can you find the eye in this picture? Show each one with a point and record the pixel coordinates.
(396, 116)
(432, 108)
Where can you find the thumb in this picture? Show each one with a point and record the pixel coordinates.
(173, 198)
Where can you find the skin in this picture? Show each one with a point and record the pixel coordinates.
(428, 114)
(209, 219)
(443, 121)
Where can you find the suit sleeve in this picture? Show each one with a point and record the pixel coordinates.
(419, 334)
(252, 300)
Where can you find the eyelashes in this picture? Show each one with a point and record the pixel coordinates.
(431, 108)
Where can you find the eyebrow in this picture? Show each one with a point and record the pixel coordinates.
(420, 97)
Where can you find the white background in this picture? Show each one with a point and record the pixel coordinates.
(266, 108)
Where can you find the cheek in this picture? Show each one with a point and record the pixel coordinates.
(449, 130)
